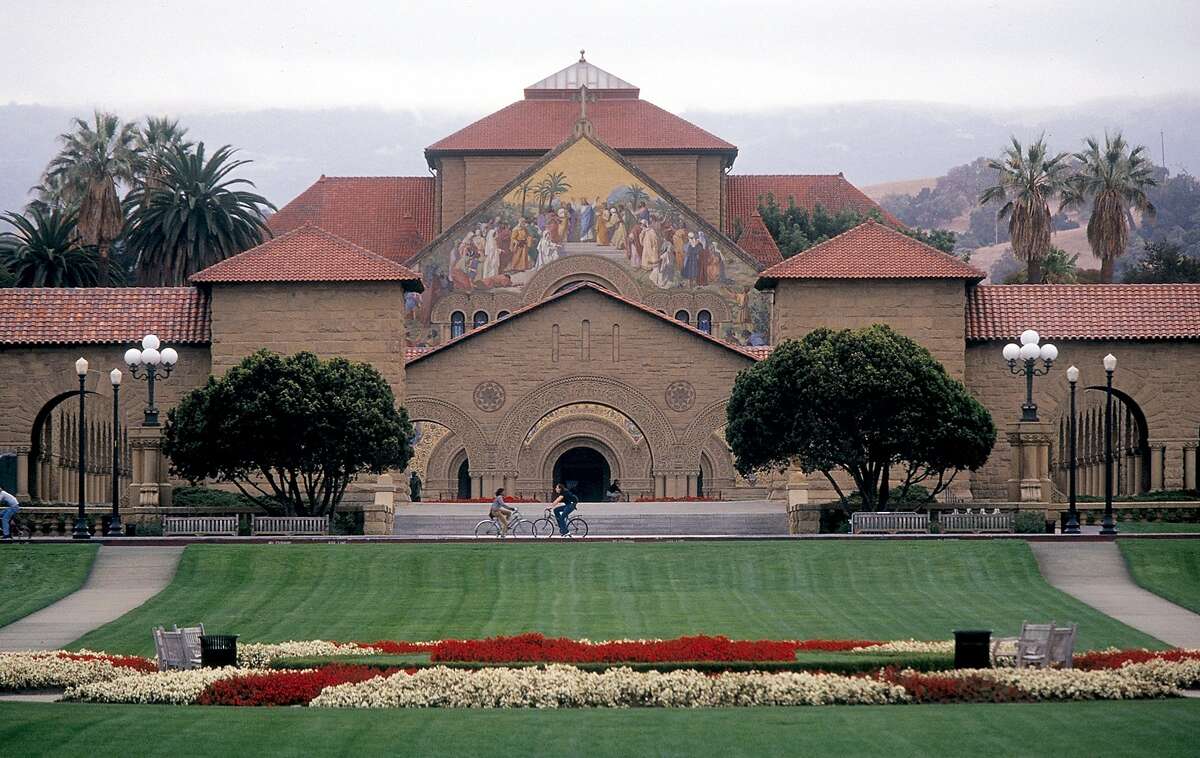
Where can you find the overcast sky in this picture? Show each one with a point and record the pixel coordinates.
(396, 54)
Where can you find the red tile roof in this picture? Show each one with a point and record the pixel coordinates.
(307, 254)
(870, 251)
(1084, 311)
(388, 215)
(756, 240)
(830, 191)
(745, 352)
(45, 316)
(539, 125)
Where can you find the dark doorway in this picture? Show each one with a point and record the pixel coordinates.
(464, 480)
(585, 471)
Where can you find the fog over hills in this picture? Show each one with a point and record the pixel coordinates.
(869, 142)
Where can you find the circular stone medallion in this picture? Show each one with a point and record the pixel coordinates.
(680, 396)
(489, 396)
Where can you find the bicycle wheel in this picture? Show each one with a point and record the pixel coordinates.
(487, 528)
(522, 528)
(577, 527)
(544, 527)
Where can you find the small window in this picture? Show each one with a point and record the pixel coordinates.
(458, 324)
(704, 322)
(479, 319)
(683, 316)
(501, 314)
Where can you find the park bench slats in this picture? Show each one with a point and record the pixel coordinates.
(290, 525)
(978, 522)
(199, 525)
(870, 522)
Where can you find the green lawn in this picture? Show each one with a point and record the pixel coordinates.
(1152, 527)
(1169, 568)
(1160, 728)
(782, 590)
(34, 576)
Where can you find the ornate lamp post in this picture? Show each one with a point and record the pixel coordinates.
(1027, 353)
(148, 364)
(114, 523)
(1072, 526)
(80, 531)
(1108, 525)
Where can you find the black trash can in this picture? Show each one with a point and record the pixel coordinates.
(972, 648)
(218, 650)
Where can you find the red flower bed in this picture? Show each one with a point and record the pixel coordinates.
(121, 661)
(284, 687)
(835, 646)
(1115, 660)
(507, 499)
(536, 647)
(693, 499)
(932, 688)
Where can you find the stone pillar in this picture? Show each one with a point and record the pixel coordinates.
(1156, 467)
(801, 519)
(1029, 465)
(380, 516)
(476, 485)
(22, 492)
(148, 485)
(691, 485)
(660, 486)
(1189, 468)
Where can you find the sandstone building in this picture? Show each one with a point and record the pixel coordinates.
(571, 294)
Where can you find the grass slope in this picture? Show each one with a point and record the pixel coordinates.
(1155, 527)
(607, 591)
(1168, 568)
(34, 576)
(1160, 728)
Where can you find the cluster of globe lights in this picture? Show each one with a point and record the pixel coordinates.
(149, 355)
(1029, 350)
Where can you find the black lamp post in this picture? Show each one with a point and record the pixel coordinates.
(148, 364)
(1022, 359)
(1108, 526)
(1072, 526)
(114, 523)
(80, 531)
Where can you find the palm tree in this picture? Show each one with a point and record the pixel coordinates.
(158, 136)
(44, 250)
(636, 194)
(1028, 179)
(1116, 179)
(525, 189)
(94, 158)
(555, 183)
(195, 217)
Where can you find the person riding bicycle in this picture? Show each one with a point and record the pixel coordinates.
(501, 511)
(569, 500)
(11, 506)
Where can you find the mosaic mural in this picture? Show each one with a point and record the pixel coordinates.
(582, 202)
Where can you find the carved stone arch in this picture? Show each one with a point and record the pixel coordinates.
(700, 428)
(458, 422)
(707, 301)
(448, 304)
(631, 459)
(581, 268)
(591, 442)
(602, 390)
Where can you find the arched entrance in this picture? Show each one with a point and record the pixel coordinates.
(585, 471)
(464, 480)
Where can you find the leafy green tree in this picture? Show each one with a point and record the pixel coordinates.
(795, 229)
(867, 402)
(1115, 178)
(1027, 181)
(194, 216)
(7, 279)
(95, 158)
(1058, 267)
(940, 239)
(1177, 201)
(290, 432)
(155, 139)
(43, 250)
(1163, 262)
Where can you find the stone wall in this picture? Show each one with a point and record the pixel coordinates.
(930, 311)
(358, 321)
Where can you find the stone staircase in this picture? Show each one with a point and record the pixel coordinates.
(591, 248)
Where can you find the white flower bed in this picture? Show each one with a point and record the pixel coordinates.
(164, 687)
(36, 670)
(259, 654)
(559, 686)
(1152, 679)
(909, 646)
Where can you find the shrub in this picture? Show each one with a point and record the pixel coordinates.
(1030, 522)
(206, 497)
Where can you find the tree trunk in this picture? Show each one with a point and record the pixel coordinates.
(1106, 270)
(102, 266)
(1034, 272)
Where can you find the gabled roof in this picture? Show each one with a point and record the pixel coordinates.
(537, 125)
(830, 191)
(870, 251)
(756, 240)
(468, 218)
(1085, 311)
(103, 315)
(581, 286)
(391, 216)
(308, 254)
(562, 84)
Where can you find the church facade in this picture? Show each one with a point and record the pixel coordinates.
(570, 296)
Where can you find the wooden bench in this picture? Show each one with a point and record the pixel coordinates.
(977, 522)
(869, 522)
(290, 525)
(199, 525)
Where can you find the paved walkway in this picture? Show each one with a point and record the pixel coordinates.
(1095, 572)
(122, 578)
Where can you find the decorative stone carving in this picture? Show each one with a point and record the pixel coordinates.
(680, 396)
(577, 268)
(489, 396)
(454, 419)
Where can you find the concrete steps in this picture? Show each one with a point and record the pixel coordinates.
(411, 523)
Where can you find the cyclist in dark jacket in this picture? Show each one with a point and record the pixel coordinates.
(569, 500)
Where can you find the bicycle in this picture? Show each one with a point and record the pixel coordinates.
(518, 526)
(19, 528)
(547, 525)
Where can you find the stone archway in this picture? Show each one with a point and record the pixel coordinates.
(581, 268)
(585, 467)
(627, 455)
(453, 418)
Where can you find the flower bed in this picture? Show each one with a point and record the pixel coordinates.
(164, 687)
(1111, 659)
(535, 647)
(259, 654)
(35, 670)
(283, 687)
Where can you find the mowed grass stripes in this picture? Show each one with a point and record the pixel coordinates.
(781, 590)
